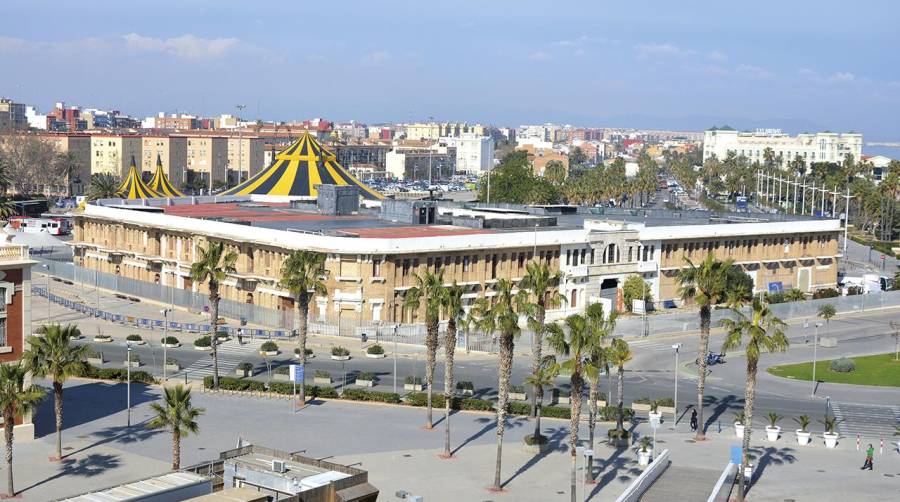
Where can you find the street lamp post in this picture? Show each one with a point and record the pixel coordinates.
(240, 108)
(47, 270)
(165, 313)
(128, 384)
(676, 346)
(815, 354)
(395, 358)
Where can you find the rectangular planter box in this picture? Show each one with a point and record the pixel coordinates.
(95, 361)
(601, 403)
(465, 392)
(562, 400)
(133, 364)
(666, 409)
(516, 396)
(413, 386)
(321, 381)
(173, 367)
(279, 376)
(640, 407)
(241, 373)
(365, 383)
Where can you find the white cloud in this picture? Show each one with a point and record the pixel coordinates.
(539, 56)
(842, 77)
(375, 58)
(716, 56)
(653, 50)
(186, 46)
(754, 72)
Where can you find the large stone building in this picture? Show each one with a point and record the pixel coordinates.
(819, 147)
(171, 151)
(112, 153)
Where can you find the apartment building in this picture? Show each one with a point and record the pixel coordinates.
(245, 157)
(112, 154)
(12, 115)
(171, 151)
(436, 130)
(207, 159)
(811, 147)
(474, 154)
(419, 162)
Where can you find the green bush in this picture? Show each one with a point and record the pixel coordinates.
(465, 385)
(170, 340)
(117, 374)
(367, 375)
(308, 351)
(203, 341)
(283, 370)
(240, 384)
(519, 408)
(268, 346)
(375, 349)
(134, 338)
(323, 374)
(610, 413)
(412, 380)
(826, 293)
(245, 366)
(517, 389)
(339, 351)
(437, 400)
(634, 288)
(664, 401)
(842, 365)
(370, 395)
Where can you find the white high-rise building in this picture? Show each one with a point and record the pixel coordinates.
(817, 147)
(474, 154)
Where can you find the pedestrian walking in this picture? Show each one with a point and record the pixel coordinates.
(694, 421)
(240, 334)
(870, 455)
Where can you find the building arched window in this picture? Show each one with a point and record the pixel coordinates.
(573, 301)
(611, 254)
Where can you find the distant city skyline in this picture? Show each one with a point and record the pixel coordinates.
(792, 65)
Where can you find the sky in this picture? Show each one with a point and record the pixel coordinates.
(799, 65)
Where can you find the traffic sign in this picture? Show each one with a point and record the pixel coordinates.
(296, 373)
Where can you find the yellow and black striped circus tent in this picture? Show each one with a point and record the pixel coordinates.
(298, 170)
(160, 182)
(133, 187)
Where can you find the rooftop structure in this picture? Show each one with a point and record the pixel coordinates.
(817, 147)
(174, 486)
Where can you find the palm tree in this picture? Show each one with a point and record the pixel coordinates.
(102, 186)
(826, 312)
(15, 399)
(301, 274)
(51, 355)
(500, 316)
(542, 285)
(451, 304)
(602, 328)
(764, 332)
(574, 343)
(706, 284)
(543, 378)
(620, 354)
(429, 286)
(213, 267)
(178, 415)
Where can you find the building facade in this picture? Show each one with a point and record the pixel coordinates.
(474, 154)
(112, 154)
(207, 159)
(418, 163)
(12, 115)
(171, 151)
(819, 147)
(245, 157)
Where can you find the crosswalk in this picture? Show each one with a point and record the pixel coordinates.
(869, 421)
(230, 355)
(649, 345)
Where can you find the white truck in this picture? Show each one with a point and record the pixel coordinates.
(868, 283)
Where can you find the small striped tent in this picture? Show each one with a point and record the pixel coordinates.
(160, 182)
(298, 170)
(133, 187)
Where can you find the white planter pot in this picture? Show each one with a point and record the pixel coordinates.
(269, 353)
(340, 358)
(666, 409)
(748, 472)
(321, 381)
(516, 396)
(640, 407)
(644, 457)
(772, 433)
(197, 347)
(171, 345)
(133, 364)
(101, 339)
(241, 373)
(365, 383)
(413, 386)
(802, 437)
(308, 356)
(173, 367)
(376, 356)
(831, 439)
(564, 400)
(739, 430)
(137, 342)
(465, 392)
(655, 418)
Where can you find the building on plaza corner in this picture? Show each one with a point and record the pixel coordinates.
(818, 147)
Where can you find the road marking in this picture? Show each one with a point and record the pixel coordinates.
(230, 355)
(870, 421)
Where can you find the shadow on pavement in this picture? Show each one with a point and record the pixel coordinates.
(89, 466)
(88, 402)
(768, 455)
(555, 439)
(720, 407)
(613, 465)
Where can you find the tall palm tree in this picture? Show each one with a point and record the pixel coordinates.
(52, 355)
(430, 288)
(213, 267)
(602, 328)
(574, 343)
(764, 332)
(103, 186)
(619, 354)
(451, 304)
(500, 316)
(542, 286)
(301, 274)
(707, 284)
(15, 399)
(544, 377)
(178, 415)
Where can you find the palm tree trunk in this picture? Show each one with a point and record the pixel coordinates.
(8, 418)
(431, 343)
(537, 413)
(176, 450)
(620, 419)
(214, 328)
(58, 405)
(609, 385)
(705, 316)
(537, 342)
(449, 349)
(303, 317)
(574, 417)
(506, 356)
(592, 422)
(749, 397)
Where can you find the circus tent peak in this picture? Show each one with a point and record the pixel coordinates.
(133, 187)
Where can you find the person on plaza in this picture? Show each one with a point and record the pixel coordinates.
(694, 420)
(870, 454)
(240, 334)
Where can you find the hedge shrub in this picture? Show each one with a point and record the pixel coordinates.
(826, 293)
(117, 374)
(231, 383)
(339, 351)
(308, 351)
(287, 388)
(170, 340)
(465, 385)
(203, 341)
(375, 349)
(367, 375)
(412, 380)
(269, 346)
(134, 338)
(842, 365)
(283, 370)
(457, 403)
(369, 395)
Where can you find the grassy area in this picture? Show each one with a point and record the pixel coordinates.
(881, 370)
